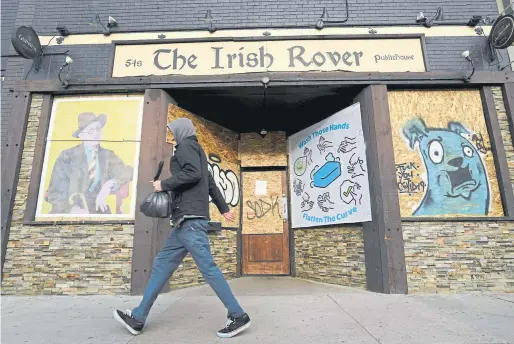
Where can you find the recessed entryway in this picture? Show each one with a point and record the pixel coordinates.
(265, 230)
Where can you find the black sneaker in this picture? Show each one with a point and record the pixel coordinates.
(235, 326)
(127, 319)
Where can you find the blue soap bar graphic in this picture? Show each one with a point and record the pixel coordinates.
(327, 174)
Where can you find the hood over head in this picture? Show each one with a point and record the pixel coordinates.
(181, 128)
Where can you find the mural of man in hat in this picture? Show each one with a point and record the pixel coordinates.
(85, 175)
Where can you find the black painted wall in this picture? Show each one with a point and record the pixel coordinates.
(173, 14)
(92, 61)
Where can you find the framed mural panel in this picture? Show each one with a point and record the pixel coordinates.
(444, 163)
(91, 159)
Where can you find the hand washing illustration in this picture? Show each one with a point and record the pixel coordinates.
(350, 192)
(301, 164)
(324, 202)
(347, 145)
(306, 204)
(298, 187)
(352, 168)
(326, 174)
(324, 144)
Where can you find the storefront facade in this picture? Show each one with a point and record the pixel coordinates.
(369, 153)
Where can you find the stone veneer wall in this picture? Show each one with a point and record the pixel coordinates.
(459, 256)
(83, 259)
(463, 256)
(62, 259)
(504, 127)
(224, 251)
(331, 255)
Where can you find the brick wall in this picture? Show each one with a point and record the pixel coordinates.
(174, 14)
(331, 255)
(463, 256)
(8, 16)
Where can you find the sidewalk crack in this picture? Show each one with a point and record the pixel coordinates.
(499, 298)
(351, 316)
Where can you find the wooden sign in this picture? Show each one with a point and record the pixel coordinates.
(221, 58)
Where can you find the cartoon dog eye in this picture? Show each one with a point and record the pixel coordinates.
(468, 151)
(436, 151)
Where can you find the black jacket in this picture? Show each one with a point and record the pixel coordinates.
(191, 183)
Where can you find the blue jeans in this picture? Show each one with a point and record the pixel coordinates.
(191, 237)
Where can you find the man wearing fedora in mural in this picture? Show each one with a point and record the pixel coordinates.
(85, 175)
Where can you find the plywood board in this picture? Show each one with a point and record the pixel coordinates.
(255, 151)
(262, 210)
(221, 148)
(444, 162)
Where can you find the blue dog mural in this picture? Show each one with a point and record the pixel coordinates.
(457, 180)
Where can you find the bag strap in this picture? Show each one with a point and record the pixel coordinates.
(159, 170)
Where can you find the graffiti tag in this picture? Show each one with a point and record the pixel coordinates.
(261, 207)
(478, 140)
(405, 175)
(226, 181)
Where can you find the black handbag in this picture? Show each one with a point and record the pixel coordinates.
(157, 204)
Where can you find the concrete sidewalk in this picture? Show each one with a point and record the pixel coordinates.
(283, 310)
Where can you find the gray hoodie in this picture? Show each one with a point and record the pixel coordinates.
(181, 128)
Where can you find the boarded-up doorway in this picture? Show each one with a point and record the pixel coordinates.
(265, 232)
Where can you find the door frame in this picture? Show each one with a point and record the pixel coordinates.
(292, 266)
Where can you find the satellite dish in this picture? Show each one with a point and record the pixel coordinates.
(502, 32)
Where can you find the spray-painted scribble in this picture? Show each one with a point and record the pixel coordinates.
(298, 187)
(226, 180)
(406, 176)
(306, 204)
(260, 208)
(457, 181)
(350, 192)
(352, 168)
(323, 144)
(479, 142)
(324, 202)
(347, 145)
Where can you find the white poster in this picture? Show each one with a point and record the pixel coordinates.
(328, 172)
